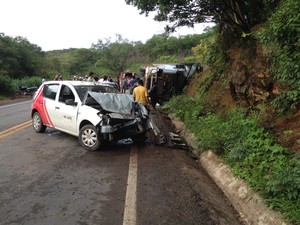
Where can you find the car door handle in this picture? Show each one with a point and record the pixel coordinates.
(41, 103)
(56, 107)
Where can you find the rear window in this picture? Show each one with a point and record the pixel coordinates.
(81, 90)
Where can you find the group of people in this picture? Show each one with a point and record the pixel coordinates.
(131, 85)
(92, 78)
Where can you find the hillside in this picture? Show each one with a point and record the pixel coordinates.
(247, 84)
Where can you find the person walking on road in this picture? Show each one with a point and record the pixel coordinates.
(140, 94)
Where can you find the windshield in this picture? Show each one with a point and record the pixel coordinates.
(81, 90)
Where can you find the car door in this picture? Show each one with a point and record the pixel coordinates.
(47, 104)
(66, 115)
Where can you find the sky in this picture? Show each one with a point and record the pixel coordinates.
(64, 24)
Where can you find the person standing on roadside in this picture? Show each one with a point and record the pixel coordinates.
(153, 95)
(91, 77)
(131, 83)
(58, 77)
(124, 85)
(105, 79)
(140, 94)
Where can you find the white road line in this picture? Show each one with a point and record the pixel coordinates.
(5, 106)
(130, 200)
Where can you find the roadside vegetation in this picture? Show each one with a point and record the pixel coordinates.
(243, 136)
(281, 36)
(8, 85)
(250, 82)
(249, 149)
(25, 63)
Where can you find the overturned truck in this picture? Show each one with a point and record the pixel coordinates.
(170, 79)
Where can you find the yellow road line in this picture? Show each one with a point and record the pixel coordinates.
(15, 129)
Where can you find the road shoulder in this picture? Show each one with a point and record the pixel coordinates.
(16, 100)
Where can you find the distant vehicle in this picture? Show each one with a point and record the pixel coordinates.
(95, 113)
(170, 78)
(24, 90)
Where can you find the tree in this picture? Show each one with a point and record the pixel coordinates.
(240, 15)
(163, 45)
(116, 56)
(18, 57)
(154, 47)
(83, 61)
(29, 56)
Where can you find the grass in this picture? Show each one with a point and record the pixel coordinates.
(250, 150)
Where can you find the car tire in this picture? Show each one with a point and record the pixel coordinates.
(17, 94)
(37, 123)
(89, 138)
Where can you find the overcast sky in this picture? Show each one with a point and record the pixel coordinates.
(63, 24)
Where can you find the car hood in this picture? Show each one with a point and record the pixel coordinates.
(113, 102)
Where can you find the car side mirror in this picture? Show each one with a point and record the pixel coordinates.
(71, 102)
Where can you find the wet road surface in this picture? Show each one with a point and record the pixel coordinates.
(49, 179)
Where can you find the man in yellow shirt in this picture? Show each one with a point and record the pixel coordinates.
(140, 94)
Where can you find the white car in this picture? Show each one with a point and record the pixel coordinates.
(95, 113)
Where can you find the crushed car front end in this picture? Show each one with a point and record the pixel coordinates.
(121, 117)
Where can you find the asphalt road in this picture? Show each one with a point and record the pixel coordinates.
(49, 179)
(14, 114)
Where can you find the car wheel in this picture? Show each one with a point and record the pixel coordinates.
(17, 94)
(37, 123)
(89, 138)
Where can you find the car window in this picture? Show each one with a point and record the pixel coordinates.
(65, 93)
(50, 91)
(81, 90)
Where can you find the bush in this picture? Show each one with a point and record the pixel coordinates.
(29, 81)
(249, 149)
(7, 85)
(282, 38)
(186, 108)
(254, 156)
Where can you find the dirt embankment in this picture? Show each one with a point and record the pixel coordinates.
(248, 84)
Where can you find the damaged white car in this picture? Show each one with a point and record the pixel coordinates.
(95, 113)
